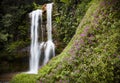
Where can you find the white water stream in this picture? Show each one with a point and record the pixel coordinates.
(36, 47)
(50, 49)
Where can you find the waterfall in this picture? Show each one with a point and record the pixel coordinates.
(38, 50)
(35, 49)
(50, 47)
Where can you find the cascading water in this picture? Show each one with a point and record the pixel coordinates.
(50, 47)
(35, 49)
(46, 50)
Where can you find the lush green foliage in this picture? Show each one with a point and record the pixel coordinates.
(67, 15)
(15, 23)
(93, 55)
(14, 31)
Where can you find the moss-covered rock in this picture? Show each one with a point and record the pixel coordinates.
(67, 15)
(93, 54)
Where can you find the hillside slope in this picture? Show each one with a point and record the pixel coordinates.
(93, 54)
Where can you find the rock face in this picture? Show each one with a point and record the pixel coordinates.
(93, 54)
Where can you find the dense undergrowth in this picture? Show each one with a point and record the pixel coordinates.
(66, 18)
(93, 54)
(15, 28)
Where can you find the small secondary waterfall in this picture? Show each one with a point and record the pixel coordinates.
(50, 49)
(36, 47)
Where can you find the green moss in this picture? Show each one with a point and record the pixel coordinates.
(24, 78)
(92, 56)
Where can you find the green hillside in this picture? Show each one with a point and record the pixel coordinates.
(92, 55)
